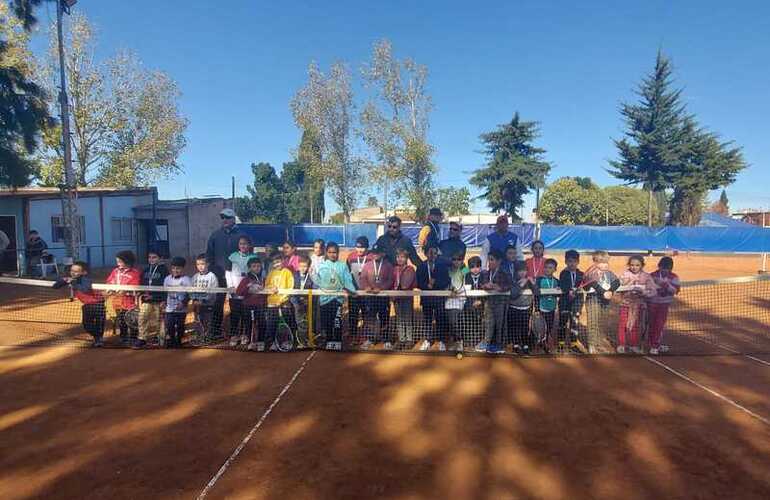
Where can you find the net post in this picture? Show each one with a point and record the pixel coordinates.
(310, 336)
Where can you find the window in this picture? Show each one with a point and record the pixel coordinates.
(58, 229)
(123, 229)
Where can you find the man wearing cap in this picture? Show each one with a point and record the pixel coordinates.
(393, 239)
(454, 245)
(430, 235)
(222, 243)
(500, 240)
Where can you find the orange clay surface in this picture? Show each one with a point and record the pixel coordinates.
(120, 424)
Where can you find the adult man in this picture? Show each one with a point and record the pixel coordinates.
(222, 243)
(5, 242)
(393, 239)
(430, 234)
(500, 240)
(36, 248)
(453, 245)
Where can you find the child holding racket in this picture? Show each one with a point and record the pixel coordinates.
(602, 283)
(333, 276)
(546, 302)
(253, 304)
(404, 278)
(356, 261)
(303, 280)
(125, 302)
(536, 263)
(176, 302)
(570, 303)
(278, 305)
(634, 304)
(668, 285)
(93, 302)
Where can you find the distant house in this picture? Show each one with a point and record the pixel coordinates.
(182, 226)
(755, 217)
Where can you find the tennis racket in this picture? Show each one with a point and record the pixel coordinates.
(258, 344)
(284, 337)
(302, 338)
(539, 327)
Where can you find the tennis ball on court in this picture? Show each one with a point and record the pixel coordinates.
(459, 355)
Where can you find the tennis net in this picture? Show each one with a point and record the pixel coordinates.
(706, 317)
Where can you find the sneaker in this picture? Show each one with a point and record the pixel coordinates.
(495, 349)
(366, 345)
(636, 349)
(578, 346)
(481, 347)
(517, 348)
(663, 348)
(441, 346)
(654, 351)
(286, 346)
(252, 346)
(459, 346)
(244, 339)
(562, 346)
(425, 345)
(621, 349)
(234, 341)
(592, 350)
(97, 343)
(274, 346)
(525, 350)
(388, 346)
(139, 344)
(334, 346)
(260, 347)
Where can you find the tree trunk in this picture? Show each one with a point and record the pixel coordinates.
(649, 207)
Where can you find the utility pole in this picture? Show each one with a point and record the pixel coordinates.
(69, 188)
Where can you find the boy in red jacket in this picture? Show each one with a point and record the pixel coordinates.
(251, 288)
(93, 302)
(125, 302)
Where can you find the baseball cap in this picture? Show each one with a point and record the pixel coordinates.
(228, 213)
(435, 211)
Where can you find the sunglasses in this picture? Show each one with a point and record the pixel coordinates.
(223, 217)
(393, 226)
(454, 228)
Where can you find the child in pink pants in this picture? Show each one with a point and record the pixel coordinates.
(668, 285)
(634, 303)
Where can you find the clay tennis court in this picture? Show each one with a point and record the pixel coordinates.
(211, 423)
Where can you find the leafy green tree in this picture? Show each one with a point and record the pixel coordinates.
(453, 201)
(324, 107)
(651, 147)
(308, 156)
(266, 197)
(571, 200)
(23, 110)
(514, 165)
(395, 126)
(706, 164)
(625, 206)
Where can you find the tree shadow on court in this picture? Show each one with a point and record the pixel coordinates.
(116, 423)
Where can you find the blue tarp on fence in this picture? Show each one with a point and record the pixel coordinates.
(640, 238)
(750, 239)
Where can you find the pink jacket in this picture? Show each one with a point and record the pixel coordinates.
(643, 280)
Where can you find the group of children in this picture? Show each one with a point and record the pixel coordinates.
(524, 305)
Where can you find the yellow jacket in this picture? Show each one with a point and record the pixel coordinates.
(282, 278)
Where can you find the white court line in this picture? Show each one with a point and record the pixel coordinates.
(248, 437)
(709, 390)
(734, 351)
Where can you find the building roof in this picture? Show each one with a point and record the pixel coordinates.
(38, 191)
(712, 219)
(180, 204)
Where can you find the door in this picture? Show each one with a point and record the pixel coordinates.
(8, 260)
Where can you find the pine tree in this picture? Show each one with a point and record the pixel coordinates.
(651, 148)
(514, 165)
(724, 201)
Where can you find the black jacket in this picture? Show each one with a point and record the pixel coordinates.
(221, 244)
(154, 276)
(389, 245)
(440, 274)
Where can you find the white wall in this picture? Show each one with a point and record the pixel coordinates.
(41, 211)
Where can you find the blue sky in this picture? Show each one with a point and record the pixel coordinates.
(565, 64)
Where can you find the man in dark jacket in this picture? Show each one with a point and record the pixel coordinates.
(453, 245)
(393, 239)
(222, 243)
